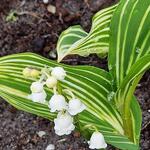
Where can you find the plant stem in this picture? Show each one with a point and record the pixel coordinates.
(59, 88)
(77, 122)
(127, 119)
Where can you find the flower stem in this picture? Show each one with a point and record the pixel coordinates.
(127, 119)
(69, 92)
(77, 122)
(59, 88)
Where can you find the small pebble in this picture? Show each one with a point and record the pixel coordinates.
(149, 110)
(53, 54)
(50, 147)
(45, 1)
(51, 9)
(61, 140)
(41, 133)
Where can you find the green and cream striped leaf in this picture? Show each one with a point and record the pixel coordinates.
(75, 40)
(76, 81)
(130, 36)
(132, 79)
(123, 96)
(90, 84)
(67, 38)
(136, 119)
(129, 42)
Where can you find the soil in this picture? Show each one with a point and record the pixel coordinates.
(37, 30)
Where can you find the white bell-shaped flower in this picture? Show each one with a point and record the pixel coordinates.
(59, 73)
(75, 106)
(51, 82)
(36, 87)
(57, 103)
(63, 124)
(97, 141)
(38, 97)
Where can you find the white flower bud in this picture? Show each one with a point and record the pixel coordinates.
(38, 97)
(27, 72)
(35, 73)
(51, 82)
(75, 106)
(36, 87)
(97, 141)
(63, 124)
(57, 103)
(59, 73)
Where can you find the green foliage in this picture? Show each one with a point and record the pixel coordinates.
(130, 36)
(128, 43)
(75, 40)
(12, 16)
(67, 40)
(15, 88)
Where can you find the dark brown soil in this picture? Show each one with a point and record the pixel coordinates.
(37, 30)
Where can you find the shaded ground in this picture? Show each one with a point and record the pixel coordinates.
(37, 30)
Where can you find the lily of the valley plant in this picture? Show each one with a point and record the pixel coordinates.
(98, 103)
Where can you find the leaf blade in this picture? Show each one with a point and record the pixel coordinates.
(124, 31)
(109, 122)
(96, 41)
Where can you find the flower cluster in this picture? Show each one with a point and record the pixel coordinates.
(63, 101)
(66, 108)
